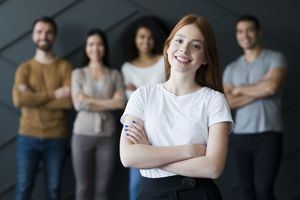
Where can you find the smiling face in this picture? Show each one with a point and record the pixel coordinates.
(144, 40)
(186, 50)
(247, 35)
(95, 49)
(43, 36)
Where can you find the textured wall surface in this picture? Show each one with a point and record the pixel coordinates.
(281, 32)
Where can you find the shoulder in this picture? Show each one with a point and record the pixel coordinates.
(25, 66)
(270, 53)
(234, 63)
(126, 65)
(64, 63)
(78, 72)
(148, 90)
(274, 58)
(114, 73)
(213, 95)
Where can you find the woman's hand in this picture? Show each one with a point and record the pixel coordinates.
(136, 133)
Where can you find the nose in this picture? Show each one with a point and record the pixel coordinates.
(183, 49)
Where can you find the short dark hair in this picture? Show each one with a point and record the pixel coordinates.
(250, 18)
(101, 34)
(48, 20)
(158, 31)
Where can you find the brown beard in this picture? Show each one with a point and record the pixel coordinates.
(45, 48)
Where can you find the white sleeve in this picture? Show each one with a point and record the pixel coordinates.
(218, 110)
(135, 106)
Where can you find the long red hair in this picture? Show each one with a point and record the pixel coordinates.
(207, 75)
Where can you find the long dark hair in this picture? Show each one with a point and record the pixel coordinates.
(207, 75)
(157, 29)
(101, 34)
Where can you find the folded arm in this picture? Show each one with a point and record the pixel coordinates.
(268, 86)
(116, 102)
(210, 165)
(23, 96)
(136, 153)
(236, 101)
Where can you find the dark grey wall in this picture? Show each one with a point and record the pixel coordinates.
(281, 32)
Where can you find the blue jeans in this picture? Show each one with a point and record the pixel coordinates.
(30, 151)
(134, 180)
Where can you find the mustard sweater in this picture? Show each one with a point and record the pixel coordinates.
(41, 114)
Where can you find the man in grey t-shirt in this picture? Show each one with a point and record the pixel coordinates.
(253, 85)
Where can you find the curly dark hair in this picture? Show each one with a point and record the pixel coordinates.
(101, 34)
(158, 30)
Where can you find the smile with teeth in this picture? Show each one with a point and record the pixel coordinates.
(182, 59)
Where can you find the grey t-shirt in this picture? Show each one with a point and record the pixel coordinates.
(262, 114)
(95, 123)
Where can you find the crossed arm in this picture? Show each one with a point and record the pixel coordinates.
(96, 105)
(24, 96)
(239, 96)
(194, 160)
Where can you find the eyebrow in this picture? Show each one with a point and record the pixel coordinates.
(196, 40)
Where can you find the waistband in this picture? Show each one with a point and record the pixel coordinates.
(173, 183)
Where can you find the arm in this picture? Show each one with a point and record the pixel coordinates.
(117, 102)
(59, 104)
(210, 165)
(140, 154)
(236, 101)
(63, 94)
(268, 86)
(23, 96)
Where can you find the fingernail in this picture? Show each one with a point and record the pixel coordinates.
(126, 125)
(133, 122)
(127, 134)
(126, 129)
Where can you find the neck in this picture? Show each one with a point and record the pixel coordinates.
(44, 57)
(145, 57)
(252, 54)
(96, 64)
(180, 84)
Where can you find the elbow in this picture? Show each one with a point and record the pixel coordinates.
(17, 103)
(121, 105)
(125, 160)
(271, 91)
(216, 173)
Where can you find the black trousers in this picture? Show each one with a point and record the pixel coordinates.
(258, 158)
(178, 188)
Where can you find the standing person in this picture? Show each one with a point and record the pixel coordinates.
(253, 84)
(96, 91)
(42, 91)
(177, 132)
(143, 43)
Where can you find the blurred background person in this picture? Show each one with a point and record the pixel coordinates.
(42, 92)
(253, 84)
(96, 91)
(142, 45)
(142, 48)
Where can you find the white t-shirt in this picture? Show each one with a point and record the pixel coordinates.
(176, 120)
(140, 76)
